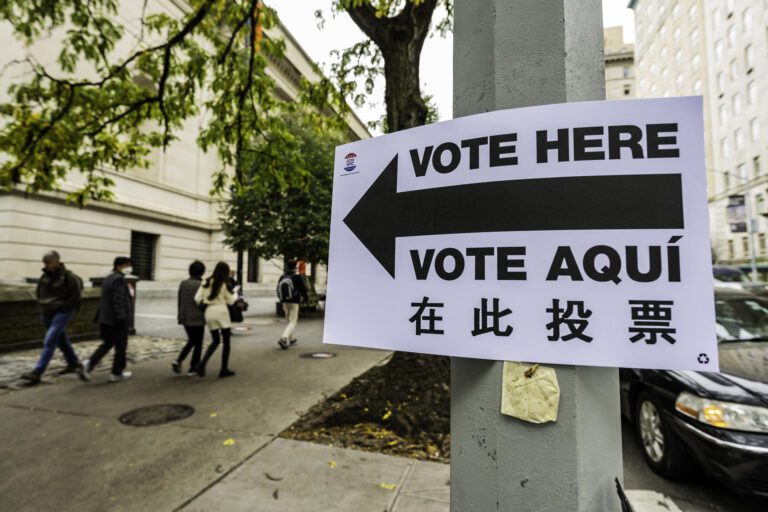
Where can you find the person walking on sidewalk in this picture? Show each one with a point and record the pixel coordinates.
(291, 290)
(192, 318)
(217, 295)
(58, 297)
(113, 315)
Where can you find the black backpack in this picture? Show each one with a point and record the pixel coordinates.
(286, 292)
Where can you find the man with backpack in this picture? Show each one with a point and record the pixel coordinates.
(290, 291)
(58, 297)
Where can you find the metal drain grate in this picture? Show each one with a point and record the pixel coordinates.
(318, 355)
(156, 415)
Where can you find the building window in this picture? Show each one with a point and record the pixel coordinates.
(143, 247)
(731, 252)
(727, 180)
(676, 34)
(664, 73)
(253, 267)
(725, 147)
(741, 171)
(745, 246)
(720, 83)
(736, 101)
(752, 93)
(749, 58)
(695, 36)
(722, 114)
(717, 17)
(627, 89)
(761, 243)
(731, 36)
(719, 49)
(676, 10)
(692, 12)
(679, 56)
(697, 87)
(734, 69)
(679, 80)
(738, 139)
(746, 20)
(695, 61)
(663, 53)
(754, 129)
(625, 71)
(756, 166)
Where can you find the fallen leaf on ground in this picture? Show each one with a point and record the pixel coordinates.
(228, 442)
(213, 415)
(274, 494)
(273, 478)
(332, 464)
(389, 487)
(386, 415)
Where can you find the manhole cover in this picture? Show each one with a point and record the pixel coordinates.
(156, 415)
(318, 355)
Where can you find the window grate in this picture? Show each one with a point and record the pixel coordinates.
(143, 255)
(253, 267)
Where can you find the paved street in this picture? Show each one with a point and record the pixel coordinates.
(226, 456)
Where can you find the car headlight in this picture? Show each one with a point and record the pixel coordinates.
(728, 415)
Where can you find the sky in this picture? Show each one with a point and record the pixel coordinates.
(436, 59)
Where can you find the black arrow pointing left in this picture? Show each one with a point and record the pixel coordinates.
(638, 201)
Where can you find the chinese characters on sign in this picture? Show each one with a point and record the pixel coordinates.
(650, 319)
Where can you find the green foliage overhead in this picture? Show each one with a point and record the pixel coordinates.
(114, 94)
(275, 217)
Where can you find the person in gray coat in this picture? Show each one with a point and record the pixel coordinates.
(192, 318)
(114, 312)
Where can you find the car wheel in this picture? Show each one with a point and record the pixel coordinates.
(661, 448)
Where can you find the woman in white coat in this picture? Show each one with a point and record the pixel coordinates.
(217, 295)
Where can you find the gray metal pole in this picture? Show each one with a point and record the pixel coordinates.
(515, 53)
(751, 227)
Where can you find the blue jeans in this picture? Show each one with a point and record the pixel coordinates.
(56, 336)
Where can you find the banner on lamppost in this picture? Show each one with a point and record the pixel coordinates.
(736, 211)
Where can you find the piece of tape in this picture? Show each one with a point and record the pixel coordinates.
(530, 392)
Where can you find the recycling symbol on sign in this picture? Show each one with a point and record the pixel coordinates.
(703, 358)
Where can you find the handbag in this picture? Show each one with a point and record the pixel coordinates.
(236, 310)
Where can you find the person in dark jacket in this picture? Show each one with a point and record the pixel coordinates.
(192, 318)
(114, 312)
(58, 297)
(291, 298)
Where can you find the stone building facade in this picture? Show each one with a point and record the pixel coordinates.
(619, 65)
(163, 216)
(717, 50)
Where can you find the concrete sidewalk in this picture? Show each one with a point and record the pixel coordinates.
(63, 448)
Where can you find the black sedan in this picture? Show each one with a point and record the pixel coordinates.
(715, 422)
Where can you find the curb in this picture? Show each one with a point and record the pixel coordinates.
(651, 501)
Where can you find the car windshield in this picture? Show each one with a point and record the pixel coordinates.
(740, 319)
(729, 275)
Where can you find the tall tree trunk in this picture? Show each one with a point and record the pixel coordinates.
(400, 39)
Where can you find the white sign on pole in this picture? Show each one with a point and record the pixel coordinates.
(573, 234)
